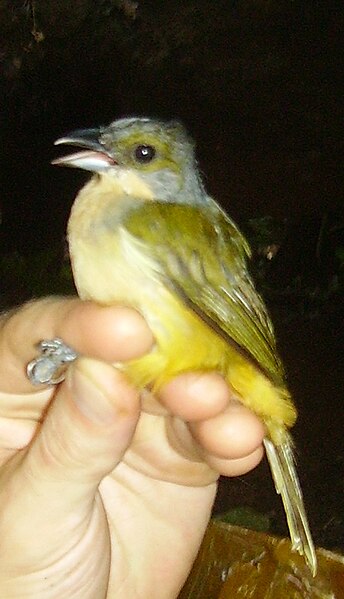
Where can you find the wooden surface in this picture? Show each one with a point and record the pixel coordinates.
(235, 562)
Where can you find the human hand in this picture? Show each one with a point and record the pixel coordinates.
(104, 493)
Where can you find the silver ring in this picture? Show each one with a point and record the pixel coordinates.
(50, 366)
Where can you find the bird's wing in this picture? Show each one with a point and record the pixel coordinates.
(202, 256)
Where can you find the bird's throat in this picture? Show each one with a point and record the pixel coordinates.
(104, 201)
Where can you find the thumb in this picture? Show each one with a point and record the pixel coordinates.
(87, 430)
(53, 518)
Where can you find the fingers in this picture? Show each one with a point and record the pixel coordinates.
(237, 467)
(88, 428)
(233, 434)
(49, 501)
(229, 435)
(196, 396)
(107, 333)
(232, 441)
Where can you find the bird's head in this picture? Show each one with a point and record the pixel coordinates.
(160, 153)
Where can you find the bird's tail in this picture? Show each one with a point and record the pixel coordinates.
(282, 464)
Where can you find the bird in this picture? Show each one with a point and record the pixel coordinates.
(143, 232)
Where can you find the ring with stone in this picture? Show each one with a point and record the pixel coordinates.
(50, 366)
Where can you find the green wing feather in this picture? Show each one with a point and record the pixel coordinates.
(203, 257)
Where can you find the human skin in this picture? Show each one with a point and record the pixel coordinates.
(105, 493)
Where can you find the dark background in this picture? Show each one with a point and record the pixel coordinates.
(258, 85)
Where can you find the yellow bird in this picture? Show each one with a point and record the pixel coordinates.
(143, 232)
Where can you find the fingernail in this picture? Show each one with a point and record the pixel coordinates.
(91, 387)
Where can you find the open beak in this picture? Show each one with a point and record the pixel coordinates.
(95, 158)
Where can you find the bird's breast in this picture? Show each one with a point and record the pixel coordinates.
(111, 266)
(114, 268)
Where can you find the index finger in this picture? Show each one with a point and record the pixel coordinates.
(109, 333)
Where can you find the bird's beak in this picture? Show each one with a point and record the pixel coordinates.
(95, 158)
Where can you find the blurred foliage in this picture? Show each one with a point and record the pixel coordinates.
(34, 275)
(247, 517)
(298, 267)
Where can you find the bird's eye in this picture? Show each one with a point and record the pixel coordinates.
(144, 154)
